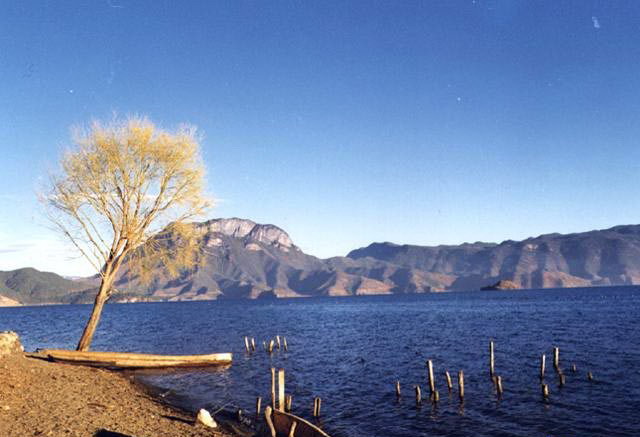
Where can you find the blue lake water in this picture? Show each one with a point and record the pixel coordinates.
(350, 352)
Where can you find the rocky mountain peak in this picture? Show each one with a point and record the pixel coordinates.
(247, 229)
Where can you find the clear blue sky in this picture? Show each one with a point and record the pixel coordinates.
(342, 122)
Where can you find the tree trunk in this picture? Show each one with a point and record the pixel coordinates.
(92, 324)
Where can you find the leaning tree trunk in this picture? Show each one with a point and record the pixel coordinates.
(92, 324)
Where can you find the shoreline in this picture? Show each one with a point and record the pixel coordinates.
(43, 398)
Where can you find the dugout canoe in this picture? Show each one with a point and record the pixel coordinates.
(279, 424)
(126, 360)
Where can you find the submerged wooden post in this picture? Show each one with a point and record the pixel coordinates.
(435, 396)
(273, 388)
(574, 369)
(258, 405)
(317, 403)
(499, 385)
(491, 359)
(288, 401)
(292, 430)
(286, 347)
(281, 390)
(590, 376)
(270, 350)
(269, 419)
(246, 344)
(449, 384)
(556, 358)
(418, 394)
(543, 359)
(278, 341)
(253, 344)
(398, 389)
(432, 382)
(545, 391)
(264, 345)
(461, 384)
(561, 379)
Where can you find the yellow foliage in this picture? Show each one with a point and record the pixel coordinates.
(121, 184)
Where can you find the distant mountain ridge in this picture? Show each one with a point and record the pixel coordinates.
(247, 260)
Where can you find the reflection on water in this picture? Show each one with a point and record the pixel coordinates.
(350, 352)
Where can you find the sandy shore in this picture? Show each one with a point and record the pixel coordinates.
(39, 398)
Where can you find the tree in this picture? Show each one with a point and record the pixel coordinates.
(122, 187)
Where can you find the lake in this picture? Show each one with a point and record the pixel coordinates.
(350, 351)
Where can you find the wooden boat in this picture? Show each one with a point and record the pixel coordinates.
(280, 423)
(125, 360)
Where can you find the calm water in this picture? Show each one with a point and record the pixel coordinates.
(350, 352)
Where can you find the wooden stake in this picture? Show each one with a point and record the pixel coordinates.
(269, 419)
(288, 401)
(317, 403)
(449, 384)
(398, 389)
(432, 382)
(246, 344)
(436, 396)
(574, 369)
(418, 395)
(556, 358)
(264, 345)
(491, 358)
(292, 430)
(561, 379)
(545, 391)
(273, 388)
(543, 360)
(461, 384)
(281, 390)
(278, 341)
(253, 344)
(589, 376)
(271, 346)
(258, 404)
(499, 385)
(286, 347)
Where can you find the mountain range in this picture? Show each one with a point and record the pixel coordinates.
(243, 259)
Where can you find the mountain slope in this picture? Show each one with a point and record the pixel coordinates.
(31, 286)
(606, 257)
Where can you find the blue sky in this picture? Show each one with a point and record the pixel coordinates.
(342, 122)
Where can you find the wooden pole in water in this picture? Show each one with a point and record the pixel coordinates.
(273, 388)
(292, 430)
(258, 405)
(556, 358)
(499, 385)
(288, 401)
(278, 341)
(561, 379)
(246, 344)
(264, 345)
(461, 384)
(449, 384)
(253, 344)
(590, 376)
(286, 347)
(574, 369)
(543, 360)
(398, 389)
(317, 403)
(269, 419)
(545, 391)
(281, 405)
(271, 346)
(418, 394)
(491, 359)
(432, 382)
(436, 396)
